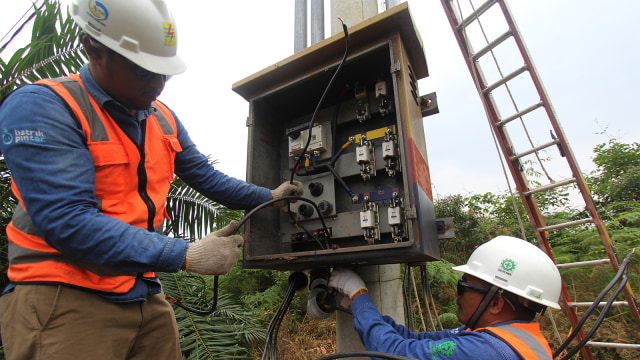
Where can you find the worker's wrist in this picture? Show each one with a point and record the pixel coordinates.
(358, 293)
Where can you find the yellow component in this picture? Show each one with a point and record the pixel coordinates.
(377, 133)
(346, 145)
(307, 162)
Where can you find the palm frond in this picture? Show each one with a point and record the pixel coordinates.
(225, 334)
(50, 54)
(192, 215)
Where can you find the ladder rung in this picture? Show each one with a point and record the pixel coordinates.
(492, 45)
(520, 114)
(502, 81)
(564, 225)
(535, 149)
(587, 304)
(476, 14)
(613, 345)
(583, 263)
(550, 186)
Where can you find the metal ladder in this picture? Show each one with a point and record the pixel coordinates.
(499, 127)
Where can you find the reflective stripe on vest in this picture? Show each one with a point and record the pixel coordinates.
(32, 260)
(523, 338)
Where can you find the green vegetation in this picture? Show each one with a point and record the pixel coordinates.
(249, 298)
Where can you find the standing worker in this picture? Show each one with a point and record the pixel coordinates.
(505, 283)
(92, 156)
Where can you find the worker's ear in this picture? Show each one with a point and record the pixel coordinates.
(96, 54)
(496, 305)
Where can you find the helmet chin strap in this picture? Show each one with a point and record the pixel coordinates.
(493, 290)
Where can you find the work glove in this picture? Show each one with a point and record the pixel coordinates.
(347, 283)
(215, 253)
(286, 189)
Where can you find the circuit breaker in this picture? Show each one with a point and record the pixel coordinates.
(361, 158)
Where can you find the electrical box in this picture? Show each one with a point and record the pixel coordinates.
(365, 171)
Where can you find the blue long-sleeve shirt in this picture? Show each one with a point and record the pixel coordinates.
(45, 150)
(381, 333)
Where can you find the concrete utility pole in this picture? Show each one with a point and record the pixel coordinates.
(385, 289)
(383, 281)
(352, 12)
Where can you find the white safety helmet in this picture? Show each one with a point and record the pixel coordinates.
(142, 31)
(516, 266)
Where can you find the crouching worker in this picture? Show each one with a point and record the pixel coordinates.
(505, 283)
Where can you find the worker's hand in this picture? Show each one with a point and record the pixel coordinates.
(347, 282)
(286, 189)
(215, 253)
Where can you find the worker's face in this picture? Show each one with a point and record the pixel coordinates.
(126, 82)
(469, 296)
(131, 85)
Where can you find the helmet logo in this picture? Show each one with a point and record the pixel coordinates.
(169, 33)
(507, 266)
(536, 295)
(98, 10)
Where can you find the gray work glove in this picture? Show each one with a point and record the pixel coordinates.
(347, 283)
(215, 253)
(286, 189)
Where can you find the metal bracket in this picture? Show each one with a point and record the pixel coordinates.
(445, 228)
(429, 104)
(395, 67)
(411, 213)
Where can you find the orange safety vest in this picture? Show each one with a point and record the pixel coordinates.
(121, 192)
(524, 338)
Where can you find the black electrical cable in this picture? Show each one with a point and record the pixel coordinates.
(214, 306)
(297, 198)
(340, 180)
(621, 274)
(310, 128)
(324, 94)
(337, 155)
(352, 354)
(323, 168)
(271, 349)
(177, 302)
(595, 327)
(306, 231)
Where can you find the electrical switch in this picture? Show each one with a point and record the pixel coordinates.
(362, 103)
(317, 145)
(384, 105)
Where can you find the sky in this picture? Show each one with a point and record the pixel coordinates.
(585, 51)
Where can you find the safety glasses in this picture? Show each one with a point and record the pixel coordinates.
(144, 74)
(462, 286)
(141, 73)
